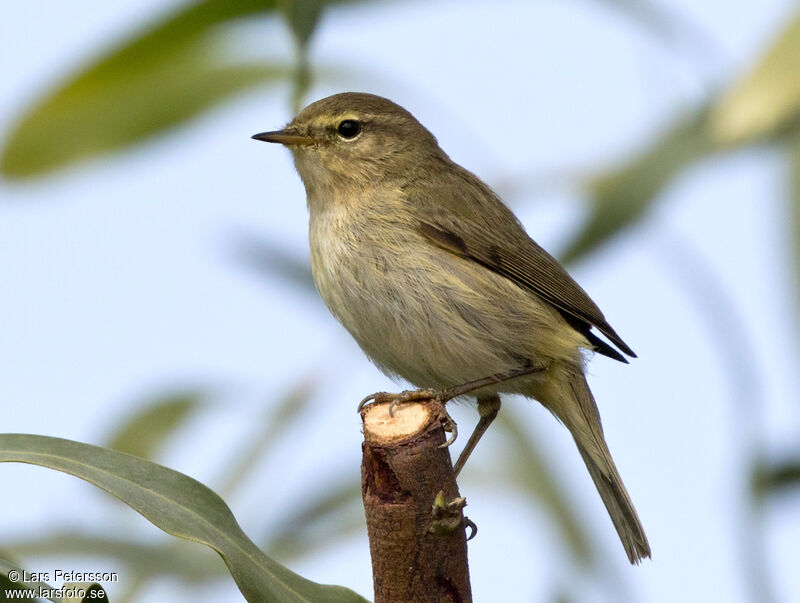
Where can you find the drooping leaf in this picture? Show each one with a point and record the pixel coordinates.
(620, 199)
(155, 80)
(767, 98)
(302, 17)
(145, 432)
(177, 504)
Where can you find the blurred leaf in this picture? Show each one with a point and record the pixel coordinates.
(621, 198)
(146, 431)
(92, 118)
(767, 98)
(6, 567)
(776, 478)
(143, 562)
(155, 80)
(288, 408)
(326, 519)
(271, 260)
(93, 592)
(529, 469)
(301, 82)
(177, 504)
(302, 17)
(176, 559)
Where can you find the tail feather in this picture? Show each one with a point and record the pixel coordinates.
(568, 396)
(620, 508)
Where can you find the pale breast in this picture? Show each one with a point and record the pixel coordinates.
(350, 272)
(421, 312)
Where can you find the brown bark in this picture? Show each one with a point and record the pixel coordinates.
(419, 553)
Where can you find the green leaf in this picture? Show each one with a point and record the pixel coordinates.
(620, 199)
(158, 79)
(177, 559)
(82, 121)
(177, 504)
(767, 98)
(146, 431)
(302, 17)
(92, 592)
(776, 478)
(17, 584)
(529, 469)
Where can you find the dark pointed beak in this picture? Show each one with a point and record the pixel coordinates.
(286, 137)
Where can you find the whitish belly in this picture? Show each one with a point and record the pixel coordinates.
(422, 313)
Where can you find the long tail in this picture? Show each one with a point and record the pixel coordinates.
(569, 398)
(619, 505)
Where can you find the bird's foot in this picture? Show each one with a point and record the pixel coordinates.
(414, 395)
(411, 395)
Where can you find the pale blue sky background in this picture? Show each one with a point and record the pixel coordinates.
(120, 279)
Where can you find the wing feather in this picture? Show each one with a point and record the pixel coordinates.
(520, 259)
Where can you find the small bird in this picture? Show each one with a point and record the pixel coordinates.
(439, 283)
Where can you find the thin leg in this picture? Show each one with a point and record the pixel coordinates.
(471, 386)
(488, 407)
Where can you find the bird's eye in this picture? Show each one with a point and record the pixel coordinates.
(349, 128)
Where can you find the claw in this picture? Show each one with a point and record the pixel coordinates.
(377, 396)
(473, 529)
(401, 398)
(410, 396)
(451, 427)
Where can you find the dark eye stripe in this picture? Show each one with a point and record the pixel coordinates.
(349, 128)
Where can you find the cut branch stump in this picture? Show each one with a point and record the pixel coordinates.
(414, 514)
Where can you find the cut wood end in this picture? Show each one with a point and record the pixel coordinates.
(409, 419)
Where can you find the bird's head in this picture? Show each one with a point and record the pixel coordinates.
(354, 141)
